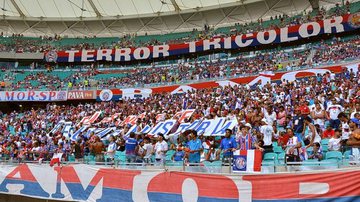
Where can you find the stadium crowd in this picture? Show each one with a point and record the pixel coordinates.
(325, 52)
(21, 44)
(296, 115)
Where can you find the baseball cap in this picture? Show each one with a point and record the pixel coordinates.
(248, 125)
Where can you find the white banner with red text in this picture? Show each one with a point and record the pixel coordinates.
(333, 25)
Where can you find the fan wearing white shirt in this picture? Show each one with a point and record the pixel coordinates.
(335, 142)
(357, 110)
(270, 115)
(344, 125)
(111, 149)
(160, 149)
(333, 110)
(268, 134)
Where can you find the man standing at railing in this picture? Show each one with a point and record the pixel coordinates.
(228, 145)
(97, 149)
(354, 142)
(130, 146)
(195, 147)
(160, 149)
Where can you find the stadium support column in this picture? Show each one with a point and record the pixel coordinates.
(176, 6)
(314, 4)
(17, 8)
(98, 14)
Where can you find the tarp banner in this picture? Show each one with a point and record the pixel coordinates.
(287, 34)
(92, 183)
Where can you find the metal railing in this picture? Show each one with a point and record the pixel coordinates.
(203, 167)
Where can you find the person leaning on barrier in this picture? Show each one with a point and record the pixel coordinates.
(97, 148)
(293, 147)
(130, 146)
(317, 152)
(148, 150)
(213, 154)
(160, 149)
(111, 149)
(194, 148)
(228, 145)
(354, 142)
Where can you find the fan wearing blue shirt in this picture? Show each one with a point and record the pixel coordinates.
(195, 147)
(228, 144)
(130, 146)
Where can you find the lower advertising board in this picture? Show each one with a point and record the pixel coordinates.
(44, 96)
(91, 183)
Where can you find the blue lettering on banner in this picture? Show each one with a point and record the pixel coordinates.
(154, 131)
(146, 129)
(203, 126)
(193, 125)
(167, 126)
(182, 127)
(228, 125)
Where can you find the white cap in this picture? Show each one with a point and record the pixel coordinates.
(248, 125)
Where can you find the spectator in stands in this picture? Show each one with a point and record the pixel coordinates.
(246, 140)
(77, 150)
(355, 110)
(97, 149)
(130, 146)
(318, 114)
(311, 135)
(293, 147)
(268, 135)
(354, 143)
(160, 149)
(328, 133)
(179, 154)
(344, 125)
(148, 150)
(333, 110)
(335, 141)
(316, 152)
(298, 126)
(111, 149)
(228, 145)
(213, 154)
(195, 148)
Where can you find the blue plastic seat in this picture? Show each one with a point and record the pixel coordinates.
(71, 158)
(336, 155)
(324, 142)
(281, 159)
(278, 149)
(269, 159)
(325, 148)
(119, 157)
(169, 155)
(347, 155)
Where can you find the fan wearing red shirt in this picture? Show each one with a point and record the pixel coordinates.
(284, 137)
(328, 133)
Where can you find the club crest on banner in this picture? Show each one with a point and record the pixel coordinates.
(354, 20)
(240, 163)
(51, 56)
(106, 95)
(62, 95)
